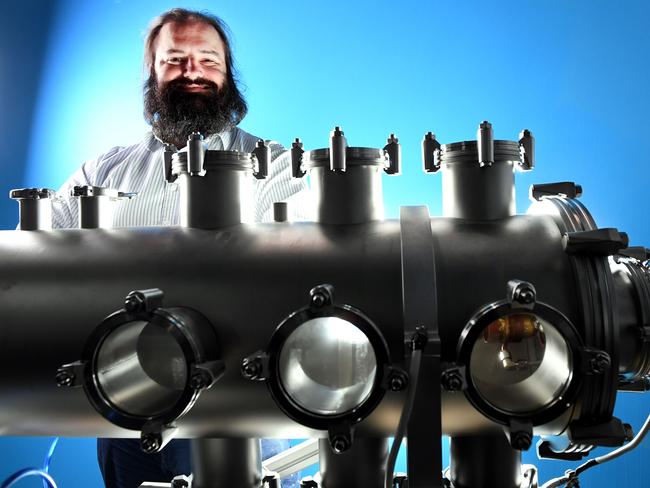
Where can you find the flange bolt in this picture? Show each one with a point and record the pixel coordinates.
(251, 369)
(64, 378)
(340, 443)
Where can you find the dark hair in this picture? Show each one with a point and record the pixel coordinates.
(184, 16)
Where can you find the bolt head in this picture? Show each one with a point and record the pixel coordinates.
(397, 382)
(340, 444)
(525, 295)
(133, 303)
(452, 381)
(150, 443)
(64, 378)
(601, 363)
(318, 299)
(521, 441)
(251, 369)
(199, 380)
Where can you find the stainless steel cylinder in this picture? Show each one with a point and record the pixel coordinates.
(220, 196)
(245, 282)
(483, 461)
(364, 464)
(352, 196)
(224, 463)
(35, 208)
(478, 192)
(96, 206)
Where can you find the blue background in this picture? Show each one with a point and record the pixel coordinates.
(574, 72)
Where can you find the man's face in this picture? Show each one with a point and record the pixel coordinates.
(192, 52)
(190, 89)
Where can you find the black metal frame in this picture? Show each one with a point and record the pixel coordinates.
(100, 401)
(293, 322)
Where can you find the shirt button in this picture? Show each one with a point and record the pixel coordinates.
(173, 186)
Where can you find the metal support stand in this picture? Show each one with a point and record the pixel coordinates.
(424, 430)
(221, 463)
(482, 461)
(363, 465)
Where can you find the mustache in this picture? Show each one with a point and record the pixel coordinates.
(181, 82)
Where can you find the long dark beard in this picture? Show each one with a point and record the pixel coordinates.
(175, 113)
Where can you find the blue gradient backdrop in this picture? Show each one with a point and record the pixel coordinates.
(574, 72)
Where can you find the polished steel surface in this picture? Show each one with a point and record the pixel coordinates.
(246, 280)
(531, 374)
(141, 369)
(328, 366)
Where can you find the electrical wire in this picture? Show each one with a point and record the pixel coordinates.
(570, 478)
(24, 473)
(416, 357)
(48, 458)
(43, 473)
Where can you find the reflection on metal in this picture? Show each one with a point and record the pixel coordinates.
(131, 374)
(522, 373)
(328, 366)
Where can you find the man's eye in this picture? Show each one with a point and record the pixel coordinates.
(174, 60)
(210, 62)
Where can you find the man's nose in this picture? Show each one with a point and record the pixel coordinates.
(192, 69)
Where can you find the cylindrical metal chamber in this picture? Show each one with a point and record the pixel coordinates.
(96, 206)
(350, 196)
(484, 461)
(363, 465)
(35, 208)
(478, 192)
(221, 194)
(220, 463)
(245, 282)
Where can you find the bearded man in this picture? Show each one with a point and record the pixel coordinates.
(191, 87)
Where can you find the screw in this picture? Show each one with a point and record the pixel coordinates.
(340, 443)
(64, 378)
(419, 339)
(600, 363)
(451, 380)
(251, 369)
(134, 303)
(397, 381)
(525, 295)
(318, 300)
(150, 443)
(521, 440)
(199, 380)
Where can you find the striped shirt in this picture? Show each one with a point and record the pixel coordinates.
(140, 169)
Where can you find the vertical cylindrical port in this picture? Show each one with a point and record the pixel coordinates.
(221, 195)
(478, 181)
(35, 208)
(96, 206)
(280, 212)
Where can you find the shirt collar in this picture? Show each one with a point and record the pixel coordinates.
(153, 143)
